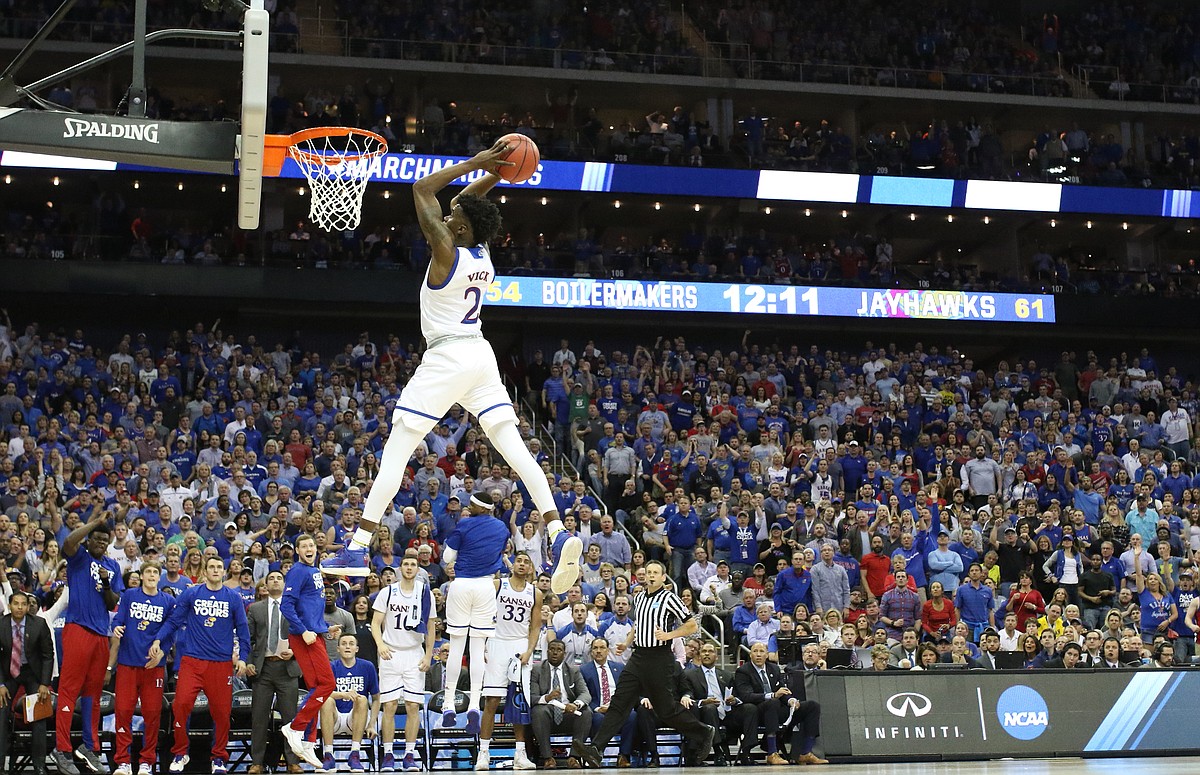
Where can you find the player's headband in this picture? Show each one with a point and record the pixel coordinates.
(483, 503)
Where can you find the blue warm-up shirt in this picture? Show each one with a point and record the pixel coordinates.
(143, 617)
(479, 541)
(212, 618)
(303, 603)
(86, 607)
(359, 678)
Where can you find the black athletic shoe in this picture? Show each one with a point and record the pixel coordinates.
(591, 757)
(704, 747)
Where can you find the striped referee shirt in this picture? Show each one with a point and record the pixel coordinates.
(662, 610)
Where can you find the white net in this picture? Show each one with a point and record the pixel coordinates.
(337, 167)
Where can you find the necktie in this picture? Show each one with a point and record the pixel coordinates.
(714, 690)
(273, 629)
(556, 684)
(604, 690)
(18, 650)
(766, 681)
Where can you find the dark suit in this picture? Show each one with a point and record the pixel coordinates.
(986, 661)
(38, 670)
(591, 677)
(805, 722)
(275, 683)
(748, 687)
(740, 720)
(574, 690)
(899, 653)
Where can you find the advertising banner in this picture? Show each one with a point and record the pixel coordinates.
(980, 713)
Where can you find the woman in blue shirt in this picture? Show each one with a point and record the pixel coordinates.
(1157, 607)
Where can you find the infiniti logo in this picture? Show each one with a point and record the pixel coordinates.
(909, 704)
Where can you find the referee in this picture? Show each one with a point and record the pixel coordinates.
(655, 611)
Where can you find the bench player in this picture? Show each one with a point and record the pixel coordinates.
(518, 624)
(475, 549)
(404, 634)
(459, 365)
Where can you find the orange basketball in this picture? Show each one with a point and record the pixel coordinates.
(524, 155)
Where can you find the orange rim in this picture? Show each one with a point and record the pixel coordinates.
(279, 147)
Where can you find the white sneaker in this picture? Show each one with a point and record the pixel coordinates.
(123, 769)
(521, 762)
(483, 761)
(303, 749)
(180, 763)
(145, 769)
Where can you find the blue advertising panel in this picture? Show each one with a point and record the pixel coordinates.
(737, 298)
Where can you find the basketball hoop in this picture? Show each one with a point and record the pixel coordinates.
(336, 160)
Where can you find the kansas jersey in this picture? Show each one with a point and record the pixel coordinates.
(514, 611)
(479, 542)
(142, 616)
(405, 616)
(359, 678)
(452, 308)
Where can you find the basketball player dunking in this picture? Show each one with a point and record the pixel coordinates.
(459, 365)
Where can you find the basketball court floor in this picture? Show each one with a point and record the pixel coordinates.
(1168, 765)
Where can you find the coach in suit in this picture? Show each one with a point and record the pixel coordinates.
(601, 675)
(804, 715)
(705, 689)
(760, 683)
(26, 663)
(274, 673)
(556, 681)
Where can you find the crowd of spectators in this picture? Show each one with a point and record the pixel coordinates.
(1122, 51)
(1147, 51)
(784, 484)
(959, 46)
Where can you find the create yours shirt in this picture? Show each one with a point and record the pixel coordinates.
(86, 607)
(359, 678)
(211, 618)
(142, 616)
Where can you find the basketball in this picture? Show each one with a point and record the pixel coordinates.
(524, 155)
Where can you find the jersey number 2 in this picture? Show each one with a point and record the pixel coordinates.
(472, 317)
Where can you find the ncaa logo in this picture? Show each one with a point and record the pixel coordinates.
(909, 704)
(1022, 713)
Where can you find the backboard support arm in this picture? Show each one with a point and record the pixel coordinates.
(10, 92)
(120, 50)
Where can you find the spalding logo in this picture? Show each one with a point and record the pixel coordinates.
(1022, 713)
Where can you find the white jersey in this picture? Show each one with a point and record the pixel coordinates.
(822, 488)
(514, 611)
(452, 308)
(396, 606)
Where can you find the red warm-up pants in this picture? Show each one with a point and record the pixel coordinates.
(85, 660)
(134, 683)
(318, 677)
(216, 680)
